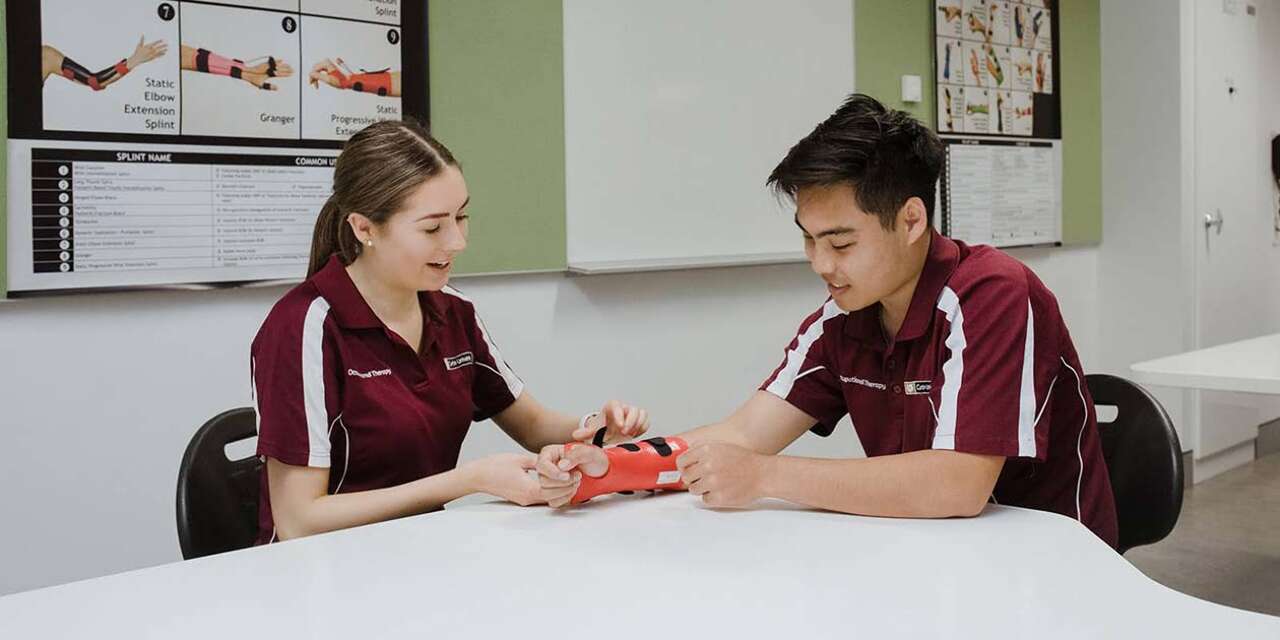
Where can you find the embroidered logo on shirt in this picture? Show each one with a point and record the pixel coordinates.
(369, 374)
(866, 383)
(459, 361)
(919, 387)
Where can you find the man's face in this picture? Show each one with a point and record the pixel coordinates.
(861, 262)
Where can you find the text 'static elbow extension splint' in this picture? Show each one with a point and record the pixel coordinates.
(73, 71)
(634, 466)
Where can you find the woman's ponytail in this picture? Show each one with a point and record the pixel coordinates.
(324, 240)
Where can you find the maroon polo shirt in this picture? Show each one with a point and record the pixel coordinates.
(334, 387)
(982, 364)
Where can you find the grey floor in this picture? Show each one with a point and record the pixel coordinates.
(1226, 546)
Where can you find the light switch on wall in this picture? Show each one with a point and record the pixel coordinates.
(911, 89)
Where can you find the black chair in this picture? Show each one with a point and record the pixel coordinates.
(217, 503)
(1144, 459)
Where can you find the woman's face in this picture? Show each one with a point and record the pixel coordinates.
(414, 249)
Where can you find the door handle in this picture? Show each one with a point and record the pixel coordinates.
(1214, 221)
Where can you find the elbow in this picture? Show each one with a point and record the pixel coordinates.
(956, 504)
(966, 505)
(970, 509)
(289, 525)
(287, 529)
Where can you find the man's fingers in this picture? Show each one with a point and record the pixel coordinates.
(560, 493)
(551, 483)
(589, 460)
(547, 464)
(562, 496)
(687, 459)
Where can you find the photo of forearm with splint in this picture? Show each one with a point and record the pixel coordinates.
(54, 62)
(335, 73)
(257, 71)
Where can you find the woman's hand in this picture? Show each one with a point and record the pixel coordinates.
(560, 472)
(506, 475)
(621, 422)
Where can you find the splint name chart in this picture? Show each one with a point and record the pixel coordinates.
(134, 210)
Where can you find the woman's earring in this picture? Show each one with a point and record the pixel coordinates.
(368, 243)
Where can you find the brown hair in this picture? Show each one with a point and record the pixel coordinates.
(378, 167)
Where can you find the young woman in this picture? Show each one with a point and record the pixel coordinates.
(368, 375)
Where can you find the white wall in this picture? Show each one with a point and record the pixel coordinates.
(101, 392)
(1146, 289)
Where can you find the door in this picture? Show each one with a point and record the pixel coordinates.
(1235, 261)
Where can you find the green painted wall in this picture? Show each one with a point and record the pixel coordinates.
(893, 38)
(497, 101)
(1081, 68)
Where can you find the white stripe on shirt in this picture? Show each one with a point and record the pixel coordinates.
(782, 384)
(1027, 396)
(514, 384)
(944, 437)
(313, 400)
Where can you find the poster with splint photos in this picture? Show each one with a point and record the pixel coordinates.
(996, 68)
(999, 117)
(177, 142)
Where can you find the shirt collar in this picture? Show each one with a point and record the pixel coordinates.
(944, 254)
(350, 308)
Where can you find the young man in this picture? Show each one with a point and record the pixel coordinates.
(953, 362)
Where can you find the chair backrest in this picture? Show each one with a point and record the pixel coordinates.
(1144, 460)
(217, 504)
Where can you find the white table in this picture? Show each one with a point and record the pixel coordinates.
(1248, 366)
(652, 567)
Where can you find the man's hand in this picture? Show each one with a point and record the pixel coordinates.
(560, 472)
(621, 421)
(725, 475)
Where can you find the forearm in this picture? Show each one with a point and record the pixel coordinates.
(341, 511)
(187, 58)
(534, 426)
(718, 432)
(552, 427)
(97, 81)
(918, 484)
(766, 440)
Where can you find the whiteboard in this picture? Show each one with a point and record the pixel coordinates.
(676, 112)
